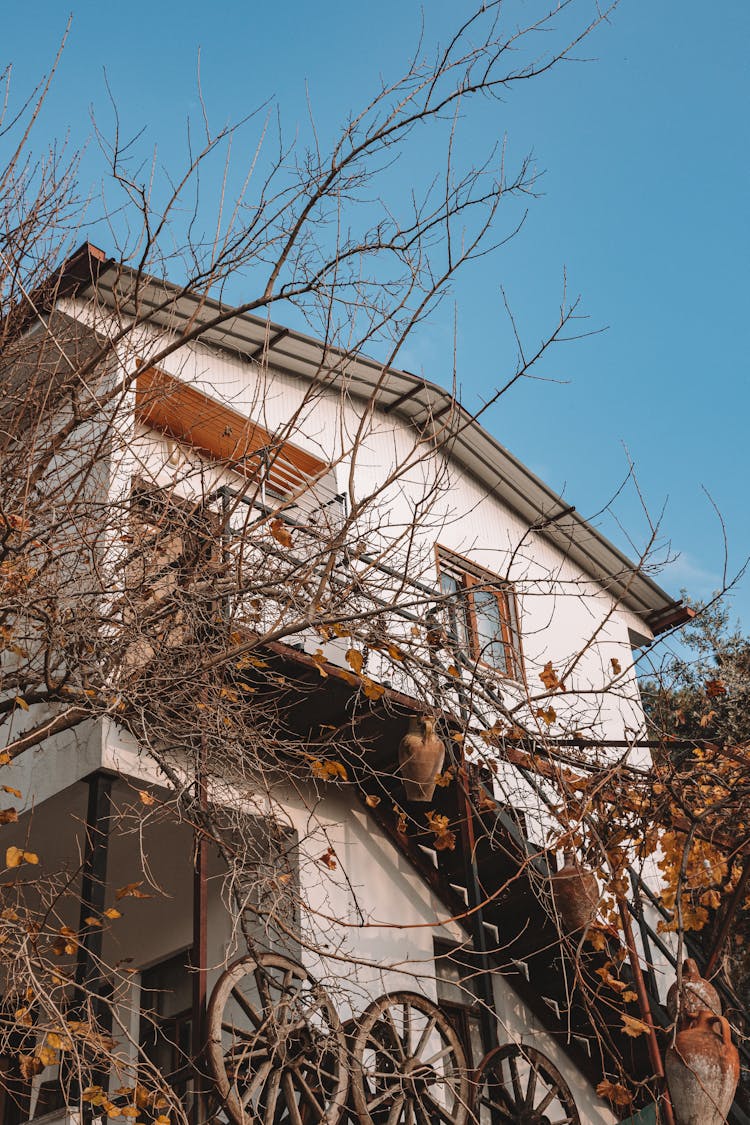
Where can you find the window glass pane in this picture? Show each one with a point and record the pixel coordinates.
(457, 611)
(489, 628)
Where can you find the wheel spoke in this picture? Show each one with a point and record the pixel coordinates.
(383, 1097)
(272, 1095)
(531, 1088)
(493, 1105)
(407, 1029)
(256, 1082)
(395, 1111)
(306, 1091)
(382, 1049)
(431, 1024)
(290, 1098)
(438, 1108)
(247, 1008)
(518, 1096)
(264, 991)
(549, 1097)
(396, 1035)
(438, 1055)
(238, 1032)
(422, 1117)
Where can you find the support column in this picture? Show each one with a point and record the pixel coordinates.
(89, 995)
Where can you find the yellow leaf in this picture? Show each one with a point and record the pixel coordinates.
(550, 679)
(13, 792)
(329, 771)
(112, 912)
(19, 702)
(444, 779)
(131, 890)
(46, 1055)
(445, 840)
(319, 660)
(4, 758)
(711, 899)
(614, 1092)
(629, 996)
(92, 921)
(14, 857)
(58, 1042)
(634, 1027)
(616, 666)
(29, 1066)
(145, 797)
(596, 939)
(162, 1119)
(372, 690)
(395, 653)
(8, 816)
(329, 859)
(280, 532)
(372, 800)
(355, 659)
(452, 670)
(547, 716)
(129, 1111)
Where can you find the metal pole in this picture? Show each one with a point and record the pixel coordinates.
(199, 955)
(487, 1020)
(645, 1008)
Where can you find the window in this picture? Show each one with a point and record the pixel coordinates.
(166, 1015)
(482, 617)
(456, 997)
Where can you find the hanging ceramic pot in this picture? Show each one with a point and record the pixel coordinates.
(703, 1069)
(420, 756)
(576, 895)
(697, 995)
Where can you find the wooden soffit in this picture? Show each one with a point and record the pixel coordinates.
(215, 430)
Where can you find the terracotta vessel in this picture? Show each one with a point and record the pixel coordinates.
(420, 756)
(703, 1069)
(697, 995)
(576, 894)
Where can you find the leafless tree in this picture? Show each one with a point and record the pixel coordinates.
(201, 594)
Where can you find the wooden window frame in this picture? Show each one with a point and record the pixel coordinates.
(463, 1014)
(473, 579)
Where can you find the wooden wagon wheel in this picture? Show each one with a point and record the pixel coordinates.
(519, 1085)
(276, 1048)
(408, 1065)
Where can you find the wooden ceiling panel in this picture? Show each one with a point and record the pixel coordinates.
(214, 429)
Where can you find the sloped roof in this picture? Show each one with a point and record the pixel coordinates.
(412, 398)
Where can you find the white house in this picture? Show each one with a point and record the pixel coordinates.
(459, 585)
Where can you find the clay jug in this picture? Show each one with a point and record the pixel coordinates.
(697, 995)
(420, 756)
(576, 894)
(703, 1068)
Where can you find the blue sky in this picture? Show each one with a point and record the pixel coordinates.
(643, 205)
